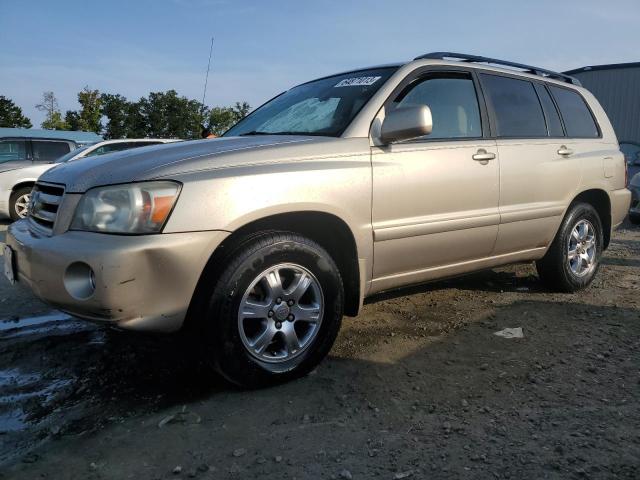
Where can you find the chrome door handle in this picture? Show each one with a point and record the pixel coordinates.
(483, 156)
(564, 151)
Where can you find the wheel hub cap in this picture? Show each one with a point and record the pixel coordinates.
(280, 313)
(582, 249)
(22, 206)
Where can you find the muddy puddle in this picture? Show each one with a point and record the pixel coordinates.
(31, 387)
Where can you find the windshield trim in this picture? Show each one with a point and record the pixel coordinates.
(394, 68)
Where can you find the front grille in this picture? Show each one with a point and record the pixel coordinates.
(43, 207)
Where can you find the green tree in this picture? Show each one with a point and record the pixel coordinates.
(222, 119)
(171, 116)
(136, 122)
(90, 112)
(11, 115)
(53, 119)
(116, 108)
(72, 119)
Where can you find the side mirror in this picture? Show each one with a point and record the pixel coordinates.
(405, 123)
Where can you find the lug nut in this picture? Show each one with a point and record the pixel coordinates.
(270, 313)
(290, 317)
(278, 300)
(290, 303)
(278, 325)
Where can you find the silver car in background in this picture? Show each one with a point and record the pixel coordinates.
(18, 178)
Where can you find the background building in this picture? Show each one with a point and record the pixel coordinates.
(617, 87)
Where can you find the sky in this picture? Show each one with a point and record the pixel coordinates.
(264, 47)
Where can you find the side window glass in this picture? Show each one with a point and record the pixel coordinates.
(578, 120)
(453, 103)
(554, 125)
(12, 150)
(516, 108)
(48, 151)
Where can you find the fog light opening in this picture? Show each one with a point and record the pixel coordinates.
(80, 281)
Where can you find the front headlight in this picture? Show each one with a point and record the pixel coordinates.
(134, 208)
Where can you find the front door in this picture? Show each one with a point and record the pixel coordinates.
(436, 198)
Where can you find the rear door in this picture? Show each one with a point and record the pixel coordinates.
(536, 179)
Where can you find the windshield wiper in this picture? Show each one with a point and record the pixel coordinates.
(257, 132)
(254, 132)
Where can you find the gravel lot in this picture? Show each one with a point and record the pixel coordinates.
(418, 386)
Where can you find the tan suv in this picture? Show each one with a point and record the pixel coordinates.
(336, 189)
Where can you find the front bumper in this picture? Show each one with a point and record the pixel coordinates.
(635, 200)
(141, 282)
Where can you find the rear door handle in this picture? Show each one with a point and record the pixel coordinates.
(564, 151)
(483, 156)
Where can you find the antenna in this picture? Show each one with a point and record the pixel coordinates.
(206, 78)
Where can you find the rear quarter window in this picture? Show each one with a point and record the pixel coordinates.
(578, 120)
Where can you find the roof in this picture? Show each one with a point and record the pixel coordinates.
(611, 66)
(469, 58)
(74, 136)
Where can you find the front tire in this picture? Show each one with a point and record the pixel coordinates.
(274, 312)
(573, 259)
(19, 203)
(634, 218)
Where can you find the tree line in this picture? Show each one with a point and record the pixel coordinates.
(159, 115)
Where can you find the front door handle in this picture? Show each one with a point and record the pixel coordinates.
(483, 156)
(563, 151)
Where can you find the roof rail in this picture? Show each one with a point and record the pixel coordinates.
(463, 57)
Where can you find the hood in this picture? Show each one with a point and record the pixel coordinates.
(147, 163)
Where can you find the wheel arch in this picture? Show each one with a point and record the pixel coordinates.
(23, 184)
(600, 201)
(328, 230)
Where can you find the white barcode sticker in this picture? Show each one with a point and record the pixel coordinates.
(357, 82)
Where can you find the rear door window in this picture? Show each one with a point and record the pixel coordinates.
(48, 151)
(517, 112)
(13, 150)
(577, 117)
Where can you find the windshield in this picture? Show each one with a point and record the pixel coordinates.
(322, 107)
(68, 156)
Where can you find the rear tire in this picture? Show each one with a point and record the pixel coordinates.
(573, 259)
(256, 328)
(19, 202)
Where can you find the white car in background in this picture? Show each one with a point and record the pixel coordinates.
(16, 184)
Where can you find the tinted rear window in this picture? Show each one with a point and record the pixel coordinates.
(517, 110)
(578, 120)
(46, 151)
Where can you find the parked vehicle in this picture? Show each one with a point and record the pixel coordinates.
(18, 178)
(634, 211)
(631, 152)
(258, 242)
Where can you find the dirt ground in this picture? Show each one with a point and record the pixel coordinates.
(418, 386)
